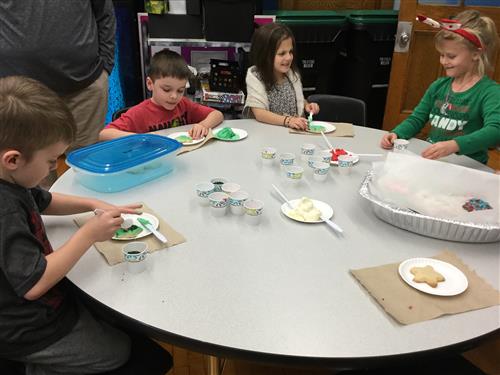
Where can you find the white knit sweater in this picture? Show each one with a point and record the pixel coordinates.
(257, 94)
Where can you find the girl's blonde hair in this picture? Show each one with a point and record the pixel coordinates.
(484, 29)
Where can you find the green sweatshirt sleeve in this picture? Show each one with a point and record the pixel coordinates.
(414, 123)
(489, 135)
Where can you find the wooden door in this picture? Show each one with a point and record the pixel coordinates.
(412, 72)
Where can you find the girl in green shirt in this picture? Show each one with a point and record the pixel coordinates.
(463, 108)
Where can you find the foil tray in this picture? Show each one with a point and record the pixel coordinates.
(444, 229)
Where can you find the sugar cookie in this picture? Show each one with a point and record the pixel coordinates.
(427, 275)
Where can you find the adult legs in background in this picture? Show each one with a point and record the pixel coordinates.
(89, 107)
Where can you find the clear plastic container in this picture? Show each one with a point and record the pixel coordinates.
(124, 162)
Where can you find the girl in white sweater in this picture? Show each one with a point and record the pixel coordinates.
(274, 88)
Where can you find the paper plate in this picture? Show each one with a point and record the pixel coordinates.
(328, 127)
(455, 281)
(151, 218)
(325, 208)
(242, 133)
(193, 142)
(356, 157)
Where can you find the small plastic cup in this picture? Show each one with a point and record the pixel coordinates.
(253, 211)
(314, 159)
(203, 190)
(287, 159)
(326, 155)
(294, 173)
(320, 171)
(306, 150)
(400, 145)
(218, 203)
(346, 163)
(230, 187)
(134, 253)
(218, 182)
(236, 201)
(268, 155)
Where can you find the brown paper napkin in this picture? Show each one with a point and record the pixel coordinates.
(408, 305)
(343, 129)
(112, 249)
(185, 149)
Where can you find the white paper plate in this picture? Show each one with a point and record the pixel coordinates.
(328, 127)
(356, 157)
(242, 133)
(325, 208)
(152, 219)
(193, 142)
(455, 281)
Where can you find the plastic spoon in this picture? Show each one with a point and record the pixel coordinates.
(331, 224)
(368, 155)
(309, 119)
(283, 196)
(327, 141)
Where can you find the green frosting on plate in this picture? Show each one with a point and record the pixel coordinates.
(131, 232)
(227, 134)
(184, 139)
(316, 128)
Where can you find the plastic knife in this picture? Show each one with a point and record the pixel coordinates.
(146, 224)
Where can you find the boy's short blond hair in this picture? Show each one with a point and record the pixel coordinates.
(32, 116)
(167, 63)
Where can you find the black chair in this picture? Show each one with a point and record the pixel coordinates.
(118, 113)
(336, 108)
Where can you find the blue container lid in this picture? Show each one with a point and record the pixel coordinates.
(122, 153)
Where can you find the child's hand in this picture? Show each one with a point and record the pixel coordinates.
(299, 123)
(104, 225)
(388, 140)
(198, 131)
(440, 150)
(312, 107)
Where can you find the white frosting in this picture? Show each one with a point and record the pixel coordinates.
(305, 211)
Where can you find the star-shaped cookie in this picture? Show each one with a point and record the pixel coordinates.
(427, 275)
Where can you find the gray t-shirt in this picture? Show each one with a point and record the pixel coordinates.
(64, 44)
(28, 326)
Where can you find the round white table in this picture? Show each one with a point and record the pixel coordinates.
(279, 292)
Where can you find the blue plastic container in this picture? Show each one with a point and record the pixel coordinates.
(124, 162)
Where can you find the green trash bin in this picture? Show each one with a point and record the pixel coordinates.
(366, 60)
(319, 36)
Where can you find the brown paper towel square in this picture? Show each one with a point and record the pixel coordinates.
(408, 305)
(185, 149)
(112, 249)
(343, 129)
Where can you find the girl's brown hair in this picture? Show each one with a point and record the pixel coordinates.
(265, 42)
(32, 116)
(484, 29)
